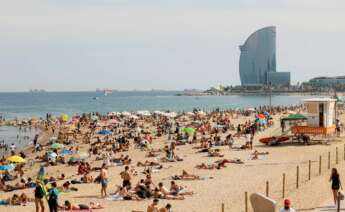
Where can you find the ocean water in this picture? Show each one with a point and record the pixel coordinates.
(22, 138)
(27, 104)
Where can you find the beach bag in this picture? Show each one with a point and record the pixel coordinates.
(341, 195)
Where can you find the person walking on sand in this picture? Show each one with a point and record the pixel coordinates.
(104, 180)
(153, 207)
(53, 198)
(287, 206)
(336, 184)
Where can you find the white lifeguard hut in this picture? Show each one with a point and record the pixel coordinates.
(320, 115)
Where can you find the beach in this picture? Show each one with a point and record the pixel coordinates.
(227, 185)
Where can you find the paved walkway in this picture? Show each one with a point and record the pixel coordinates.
(329, 206)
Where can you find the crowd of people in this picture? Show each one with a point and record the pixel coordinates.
(108, 138)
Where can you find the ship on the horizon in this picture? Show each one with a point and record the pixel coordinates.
(105, 91)
(37, 91)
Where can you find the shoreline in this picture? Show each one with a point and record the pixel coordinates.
(261, 93)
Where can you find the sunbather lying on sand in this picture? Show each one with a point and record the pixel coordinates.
(163, 193)
(224, 161)
(204, 166)
(214, 153)
(148, 163)
(186, 176)
(125, 194)
(16, 200)
(68, 206)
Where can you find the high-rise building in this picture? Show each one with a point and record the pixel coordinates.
(258, 59)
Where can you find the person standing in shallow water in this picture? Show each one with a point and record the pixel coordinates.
(336, 184)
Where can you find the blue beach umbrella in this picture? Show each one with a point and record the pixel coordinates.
(8, 167)
(104, 132)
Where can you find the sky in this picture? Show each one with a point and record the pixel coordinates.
(65, 45)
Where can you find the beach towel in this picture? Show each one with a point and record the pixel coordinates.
(115, 198)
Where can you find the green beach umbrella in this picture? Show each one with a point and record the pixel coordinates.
(188, 130)
(338, 100)
(57, 146)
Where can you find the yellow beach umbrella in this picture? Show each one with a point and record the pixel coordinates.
(64, 117)
(16, 159)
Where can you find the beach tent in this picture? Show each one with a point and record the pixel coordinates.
(105, 132)
(57, 146)
(16, 159)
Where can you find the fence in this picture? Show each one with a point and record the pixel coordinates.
(310, 173)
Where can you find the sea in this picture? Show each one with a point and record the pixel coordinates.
(23, 105)
(28, 104)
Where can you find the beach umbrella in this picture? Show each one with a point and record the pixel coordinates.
(201, 113)
(112, 121)
(251, 109)
(57, 146)
(16, 159)
(66, 152)
(8, 167)
(133, 117)
(79, 156)
(64, 117)
(338, 100)
(188, 130)
(144, 113)
(105, 132)
(217, 126)
(261, 116)
(125, 113)
(266, 113)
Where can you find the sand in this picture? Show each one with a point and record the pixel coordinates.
(228, 185)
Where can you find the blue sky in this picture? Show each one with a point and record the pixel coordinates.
(161, 44)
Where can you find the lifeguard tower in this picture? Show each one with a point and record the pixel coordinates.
(321, 114)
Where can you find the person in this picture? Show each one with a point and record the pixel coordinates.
(153, 207)
(39, 194)
(35, 140)
(338, 125)
(287, 207)
(336, 184)
(53, 198)
(68, 206)
(104, 180)
(126, 177)
(167, 208)
(13, 149)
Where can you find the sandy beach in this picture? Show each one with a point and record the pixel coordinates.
(227, 185)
